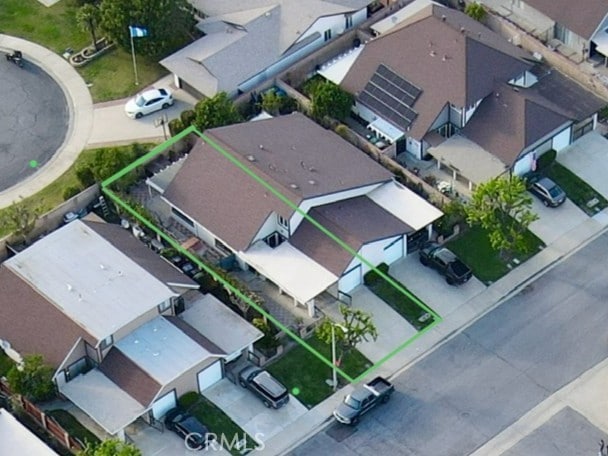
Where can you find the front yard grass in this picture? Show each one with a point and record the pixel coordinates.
(216, 420)
(73, 427)
(577, 190)
(5, 363)
(473, 247)
(111, 75)
(303, 373)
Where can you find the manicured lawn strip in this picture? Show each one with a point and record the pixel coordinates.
(5, 363)
(300, 369)
(400, 302)
(215, 419)
(473, 247)
(73, 426)
(577, 190)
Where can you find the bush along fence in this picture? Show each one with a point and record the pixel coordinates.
(43, 420)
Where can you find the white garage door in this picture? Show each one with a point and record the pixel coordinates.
(350, 279)
(163, 405)
(210, 376)
(393, 251)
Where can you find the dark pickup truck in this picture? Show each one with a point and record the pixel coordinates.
(448, 264)
(265, 386)
(363, 399)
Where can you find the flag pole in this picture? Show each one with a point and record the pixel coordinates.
(133, 54)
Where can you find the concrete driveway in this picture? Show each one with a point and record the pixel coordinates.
(587, 157)
(431, 287)
(248, 411)
(555, 222)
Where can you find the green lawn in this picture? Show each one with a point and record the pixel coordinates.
(400, 302)
(577, 190)
(5, 363)
(111, 75)
(473, 247)
(73, 426)
(303, 373)
(216, 421)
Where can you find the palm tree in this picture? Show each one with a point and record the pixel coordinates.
(88, 19)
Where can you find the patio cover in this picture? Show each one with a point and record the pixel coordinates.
(405, 205)
(386, 129)
(336, 69)
(468, 159)
(103, 400)
(404, 13)
(295, 273)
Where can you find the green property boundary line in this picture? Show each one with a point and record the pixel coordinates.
(173, 243)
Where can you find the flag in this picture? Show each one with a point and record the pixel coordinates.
(138, 32)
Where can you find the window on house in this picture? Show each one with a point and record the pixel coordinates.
(283, 222)
(349, 21)
(182, 216)
(164, 306)
(327, 35)
(106, 342)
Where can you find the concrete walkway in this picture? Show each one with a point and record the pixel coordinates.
(80, 108)
(514, 282)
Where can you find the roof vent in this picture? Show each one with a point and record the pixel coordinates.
(294, 186)
(444, 58)
(462, 30)
(261, 146)
(432, 53)
(102, 266)
(312, 182)
(251, 158)
(443, 17)
(70, 287)
(497, 95)
(312, 169)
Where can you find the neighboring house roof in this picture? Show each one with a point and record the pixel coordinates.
(130, 377)
(582, 18)
(242, 38)
(291, 153)
(15, 438)
(86, 277)
(31, 324)
(128, 244)
(355, 221)
(448, 55)
(508, 122)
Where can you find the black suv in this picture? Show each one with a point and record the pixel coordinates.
(448, 264)
(265, 386)
(195, 434)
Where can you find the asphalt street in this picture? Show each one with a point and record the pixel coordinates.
(33, 120)
(483, 380)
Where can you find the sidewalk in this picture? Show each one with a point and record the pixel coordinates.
(320, 416)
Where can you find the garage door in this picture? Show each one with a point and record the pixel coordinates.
(210, 376)
(350, 279)
(393, 251)
(163, 405)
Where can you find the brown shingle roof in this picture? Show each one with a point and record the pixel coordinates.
(294, 150)
(195, 335)
(32, 324)
(582, 18)
(356, 221)
(124, 241)
(449, 65)
(507, 123)
(129, 377)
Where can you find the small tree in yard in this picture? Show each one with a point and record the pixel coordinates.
(88, 18)
(502, 207)
(216, 111)
(329, 100)
(110, 447)
(33, 379)
(358, 327)
(19, 219)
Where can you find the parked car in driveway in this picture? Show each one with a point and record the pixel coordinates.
(548, 192)
(148, 102)
(363, 399)
(443, 260)
(195, 434)
(265, 386)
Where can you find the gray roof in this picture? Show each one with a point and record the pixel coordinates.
(136, 250)
(509, 121)
(453, 60)
(32, 324)
(291, 153)
(582, 18)
(356, 221)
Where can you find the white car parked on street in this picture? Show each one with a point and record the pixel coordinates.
(148, 102)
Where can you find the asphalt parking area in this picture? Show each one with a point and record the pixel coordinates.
(430, 286)
(555, 222)
(248, 411)
(34, 120)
